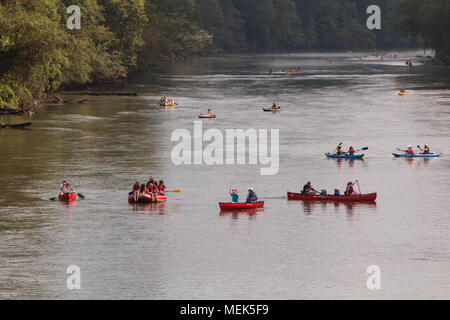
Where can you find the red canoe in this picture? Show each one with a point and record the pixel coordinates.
(67, 196)
(355, 198)
(240, 206)
(146, 198)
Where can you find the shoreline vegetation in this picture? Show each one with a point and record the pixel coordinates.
(40, 56)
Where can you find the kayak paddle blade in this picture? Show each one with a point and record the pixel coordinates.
(365, 148)
(53, 199)
(81, 196)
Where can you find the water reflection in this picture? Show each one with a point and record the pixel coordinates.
(420, 162)
(251, 213)
(349, 207)
(149, 208)
(343, 162)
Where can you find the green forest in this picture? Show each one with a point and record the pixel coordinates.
(39, 54)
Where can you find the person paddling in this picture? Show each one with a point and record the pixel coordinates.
(275, 107)
(252, 197)
(66, 188)
(351, 151)
(161, 188)
(349, 191)
(309, 190)
(62, 186)
(410, 150)
(209, 113)
(339, 150)
(425, 150)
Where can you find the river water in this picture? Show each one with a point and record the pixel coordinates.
(186, 248)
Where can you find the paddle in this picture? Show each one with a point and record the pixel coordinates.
(174, 191)
(359, 188)
(81, 196)
(53, 199)
(421, 150)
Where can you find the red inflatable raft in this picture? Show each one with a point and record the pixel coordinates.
(146, 198)
(355, 198)
(240, 206)
(67, 196)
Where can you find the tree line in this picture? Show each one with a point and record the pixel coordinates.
(39, 54)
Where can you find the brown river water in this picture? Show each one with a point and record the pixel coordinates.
(186, 248)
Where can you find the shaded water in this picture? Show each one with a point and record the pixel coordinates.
(186, 249)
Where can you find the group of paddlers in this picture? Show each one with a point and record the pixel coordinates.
(340, 151)
(152, 188)
(251, 196)
(66, 188)
(349, 190)
(287, 72)
(165, 101)
(410, 150)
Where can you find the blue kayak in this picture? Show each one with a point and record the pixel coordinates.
(344, 156)
(419, 155)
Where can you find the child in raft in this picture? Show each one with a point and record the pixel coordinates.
(151, 190)
(234, 195)
(136, 190)
(161, 188)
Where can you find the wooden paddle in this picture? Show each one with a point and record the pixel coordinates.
(359, 188)
(174, 191)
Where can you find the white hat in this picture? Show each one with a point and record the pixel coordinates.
(251, 189)
(409, 146)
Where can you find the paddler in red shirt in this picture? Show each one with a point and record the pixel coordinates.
(349, 191)
(161, 188)
(410, 150)
(351, 151)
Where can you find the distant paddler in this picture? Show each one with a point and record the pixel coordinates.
(207, 115)
(339, 150)
(409, 151)
(425, 150)
(402, 92)
(309, 190)
(349, 191)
